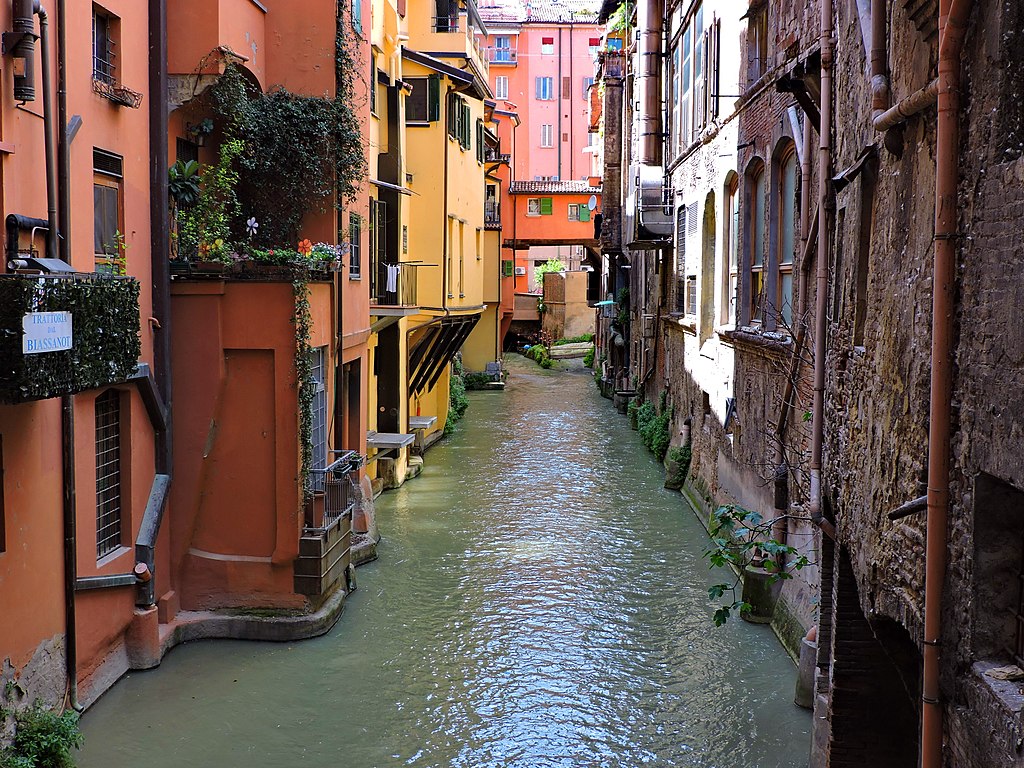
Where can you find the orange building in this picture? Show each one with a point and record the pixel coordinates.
(265, 320)
(83, 364)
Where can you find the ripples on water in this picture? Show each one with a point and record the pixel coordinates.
(540, 602)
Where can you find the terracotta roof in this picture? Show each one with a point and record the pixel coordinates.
(552, 188)
(539, 11)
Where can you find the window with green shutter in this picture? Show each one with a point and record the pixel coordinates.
(508, 268)
(545, 206)
(584, 212)
(434, 98)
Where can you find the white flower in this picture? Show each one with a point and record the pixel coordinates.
(252, 225)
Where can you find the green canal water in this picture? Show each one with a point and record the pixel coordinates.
(539, 602)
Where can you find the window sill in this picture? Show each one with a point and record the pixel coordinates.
(355, 278)
(1008, 695)
(753, 336)
(110, 557)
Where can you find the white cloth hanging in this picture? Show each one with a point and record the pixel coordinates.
(391, 284)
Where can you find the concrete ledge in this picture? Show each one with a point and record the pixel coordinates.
(364, 549)
(210, 625)
(565, 351)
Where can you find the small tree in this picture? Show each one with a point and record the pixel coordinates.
(551, 265)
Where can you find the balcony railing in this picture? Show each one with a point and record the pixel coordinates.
(394, 285)
(492, 215)
(62, 335)
(501, 55)
(332, 496)
(448, 23)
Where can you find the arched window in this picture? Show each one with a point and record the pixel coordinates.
(787, 235)
(756, 221)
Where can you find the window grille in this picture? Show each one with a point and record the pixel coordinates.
(355, 234)
(108, 472)
(103, 56)
(318, 416)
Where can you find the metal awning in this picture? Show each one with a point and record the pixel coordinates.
(440, 341)
(388, 185)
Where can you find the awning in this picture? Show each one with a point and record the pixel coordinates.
(396, 187)
(437, 345)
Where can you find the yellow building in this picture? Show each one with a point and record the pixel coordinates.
(429, 256)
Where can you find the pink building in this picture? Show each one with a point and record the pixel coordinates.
(542, 55)
(542, 62)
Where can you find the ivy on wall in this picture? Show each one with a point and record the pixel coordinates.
(304, 379)
(105, 322)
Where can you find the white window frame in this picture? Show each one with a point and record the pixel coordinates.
(533, 206)
(574, 211)
(547, 135)
(545, 88)
(501, 87)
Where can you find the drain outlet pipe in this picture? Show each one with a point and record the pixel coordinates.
(880, 89)
(821, 271)
(953, 16)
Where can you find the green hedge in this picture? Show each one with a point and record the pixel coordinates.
(654, 427)
(105, 326)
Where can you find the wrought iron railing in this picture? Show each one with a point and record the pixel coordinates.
(492, 215)
(332, 495)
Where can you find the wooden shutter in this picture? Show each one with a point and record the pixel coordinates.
(566, 88)
(584, 212)
(433, 98)
(508, 268)
(537, 81)
(715, 69)
(545, 206)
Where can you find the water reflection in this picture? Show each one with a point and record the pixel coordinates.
(540, 601)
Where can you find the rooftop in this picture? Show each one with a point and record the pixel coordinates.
(499, 12)
(553, 188)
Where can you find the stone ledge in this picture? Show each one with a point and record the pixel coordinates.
(210, 625)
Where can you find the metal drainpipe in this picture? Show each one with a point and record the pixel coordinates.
(880, 91)
(558, 104)
(821, 283)
(48, 128)
(649, 22)
(953, 16)
(63, 150)
(444, 209)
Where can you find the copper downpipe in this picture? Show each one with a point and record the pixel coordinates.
(821, 271)
(953, 15)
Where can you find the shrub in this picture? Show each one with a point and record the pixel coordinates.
(588, 359)
(42, 739)
(677, 464)
(457, 400)
(539, 354)
(575, 340)
(654, 426)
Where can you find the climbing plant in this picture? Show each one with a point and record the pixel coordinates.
(304, 378)
(457, 400)
(297, 152)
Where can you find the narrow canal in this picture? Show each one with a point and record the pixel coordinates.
(540, 601)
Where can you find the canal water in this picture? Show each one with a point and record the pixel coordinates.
(539, 602)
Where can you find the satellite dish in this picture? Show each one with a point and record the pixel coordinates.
(592, 202)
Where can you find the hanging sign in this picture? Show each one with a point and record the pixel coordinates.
(46, 332)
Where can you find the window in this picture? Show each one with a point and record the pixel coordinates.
(108, 212)
(423, 105)
(108, 473)
(373, 83)
(480, 148)
(501, 87)
(318, 416)
(357, 16)
(545, 88)
(693, 61)
(787, 235)
(105, 33)
(459, 119)
(691, 254)
(757, 45)
(446, 15)
(355, 236)
(185, 150)
(539, 206)
(594, 46)
(405, 239)
(546, 135)
(547, 46)
(732, 240)
(757, 244)
(587, 82)
(679, 287)
(574, 212)
(503, 50)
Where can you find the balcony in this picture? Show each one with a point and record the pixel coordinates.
(325, 547)
(62, 335)
(393, 285)
(492, 215)
(495, 55)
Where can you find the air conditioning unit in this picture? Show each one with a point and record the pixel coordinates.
(520, 271)
(654, 204)
(649, 323)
